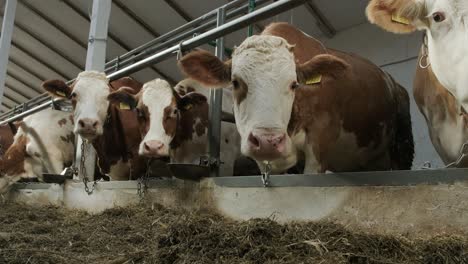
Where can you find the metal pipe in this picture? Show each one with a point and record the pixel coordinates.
(259, 14)
(166, 42)
(5, 41)
(216, 103)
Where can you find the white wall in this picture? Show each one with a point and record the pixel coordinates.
(384, 48)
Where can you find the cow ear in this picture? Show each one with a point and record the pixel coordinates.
(57, 88)
(397, 16)
(189, 100)
(123, 98)
(323, 64)
(206, 68)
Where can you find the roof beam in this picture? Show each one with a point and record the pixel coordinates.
(136, 18)
(322, 21)
(52, 23)
(18, 98)
(49, 45)
(17, 91)
(46, 64)
(179, 10)
(20, 78)
(116, 40)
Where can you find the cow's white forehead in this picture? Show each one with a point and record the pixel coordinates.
(261, 43)
(156, 95)
(91, 80)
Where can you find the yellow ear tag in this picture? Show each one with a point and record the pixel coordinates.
(60, 93)
(124, 106)
(315, 79)
(400, 19)
(188, 107)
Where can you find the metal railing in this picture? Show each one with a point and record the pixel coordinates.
(169, 44)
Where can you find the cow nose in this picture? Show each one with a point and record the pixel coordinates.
(267, 143)
(153, 147)
(88, 123)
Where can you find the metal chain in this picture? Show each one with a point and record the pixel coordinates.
(461, 158)
(142, 184)
(83, 169)
(266, 174)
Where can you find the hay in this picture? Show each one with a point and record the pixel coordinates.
(159, 235)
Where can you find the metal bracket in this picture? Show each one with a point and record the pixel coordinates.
(266, 175)
(92, 39)
(461, 158)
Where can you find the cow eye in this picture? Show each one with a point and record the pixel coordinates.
(73, 95)
(294, 85)
(438, 17)
(235, 84)
(175, 111)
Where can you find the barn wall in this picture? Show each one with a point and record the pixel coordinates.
(400, 51)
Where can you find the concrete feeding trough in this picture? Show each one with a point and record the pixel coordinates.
(411, 202)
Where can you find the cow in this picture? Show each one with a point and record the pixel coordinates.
(440, 84)
(112, 129)
(7, 132)
(448, 129)
(176, 126)
(294, 98)
(44, 142)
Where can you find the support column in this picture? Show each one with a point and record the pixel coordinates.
(95, 60)
(216, 102)
(5, 41)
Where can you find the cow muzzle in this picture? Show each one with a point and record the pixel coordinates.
(267, 145)
(88, 128)
(154, 149)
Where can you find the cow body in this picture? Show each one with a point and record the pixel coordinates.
(112, 130)
(356, 117)
(440, 90)
(176, 126)
(44, 143)
(448, 129)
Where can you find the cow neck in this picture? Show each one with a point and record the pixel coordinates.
(112, 145)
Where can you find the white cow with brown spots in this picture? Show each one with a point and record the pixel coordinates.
(176, 126)
(44, 143)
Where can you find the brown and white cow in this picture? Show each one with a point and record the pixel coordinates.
(44, 143)
(293, 98)
(7, 132)
(113, 130)
(176, 126)
(448, 129)
(441, 90)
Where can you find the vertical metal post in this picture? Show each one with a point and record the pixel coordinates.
(95, 60)
(216, 102)
(5, 41)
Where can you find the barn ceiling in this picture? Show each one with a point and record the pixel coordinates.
(50, 36)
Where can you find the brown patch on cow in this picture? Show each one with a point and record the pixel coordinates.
(240, 90)
(6, 137)
(192, 121)
(70, 138)
(169, 119)
(13, 160)
(359, 102)
(206, 68)
(429, 93)
(62, 122)
(70, 117)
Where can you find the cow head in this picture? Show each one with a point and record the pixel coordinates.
(446, 25)
(161, 113)
(264, 77)
(89, 98)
